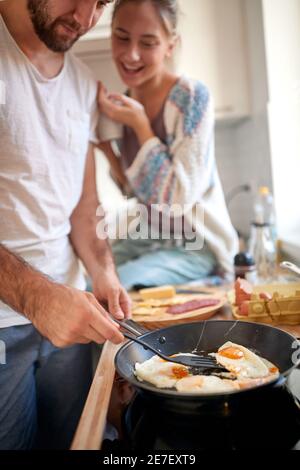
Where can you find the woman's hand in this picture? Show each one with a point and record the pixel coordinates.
(127, 111)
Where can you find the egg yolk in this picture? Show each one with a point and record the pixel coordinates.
(232, 353)
(179, 372)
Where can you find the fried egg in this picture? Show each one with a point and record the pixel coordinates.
(246, 370)
(241, 361)
(206, 385)
(160, 373)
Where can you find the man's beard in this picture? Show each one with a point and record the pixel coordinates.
(46, 28)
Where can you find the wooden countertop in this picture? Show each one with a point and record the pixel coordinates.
(91, 427)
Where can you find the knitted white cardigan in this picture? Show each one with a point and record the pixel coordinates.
(184, 170)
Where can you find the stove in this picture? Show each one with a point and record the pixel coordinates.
(269, 421)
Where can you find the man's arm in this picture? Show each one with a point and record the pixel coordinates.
(116, 170)
(62, 314)
(95, 253)
(18, 282)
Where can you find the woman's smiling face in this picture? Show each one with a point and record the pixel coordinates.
(140, 43)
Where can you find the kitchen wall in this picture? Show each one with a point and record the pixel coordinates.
(243, 150)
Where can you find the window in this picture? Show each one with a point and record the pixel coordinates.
(282, 37)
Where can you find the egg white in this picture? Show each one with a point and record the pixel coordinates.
(158, 372)
(206, 385)
(250, 371)
(249, 366)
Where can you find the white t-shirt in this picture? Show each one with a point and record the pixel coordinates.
(45, 129)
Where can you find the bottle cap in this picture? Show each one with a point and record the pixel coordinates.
(244, 259)
(264, 191)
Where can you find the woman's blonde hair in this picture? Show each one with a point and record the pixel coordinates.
(166, 9)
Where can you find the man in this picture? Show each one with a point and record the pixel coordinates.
(48, 205)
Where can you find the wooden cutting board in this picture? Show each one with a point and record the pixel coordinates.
(157, 317)
(287, 290)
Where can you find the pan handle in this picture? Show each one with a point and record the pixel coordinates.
(131, 327)
(146, 346)
(137, 327)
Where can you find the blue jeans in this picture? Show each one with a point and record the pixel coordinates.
(149, 263)
(43, 390)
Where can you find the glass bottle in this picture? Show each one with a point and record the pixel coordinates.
(263, 237)
(263, 250)
(264, 210)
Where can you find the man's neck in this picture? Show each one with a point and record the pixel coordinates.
(48, 63)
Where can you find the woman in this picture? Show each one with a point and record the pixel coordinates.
(166, 152)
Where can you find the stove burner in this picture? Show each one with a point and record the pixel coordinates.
(236, 424)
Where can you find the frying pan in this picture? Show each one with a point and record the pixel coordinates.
(273, 344)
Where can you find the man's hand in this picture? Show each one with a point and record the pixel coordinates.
(62, 314)
(108, 290)
(67, 316)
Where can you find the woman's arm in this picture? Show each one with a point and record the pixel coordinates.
(178, 173)
(181, 172)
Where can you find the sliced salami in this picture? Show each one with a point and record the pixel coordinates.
(195, 304)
